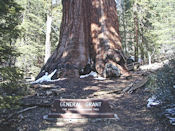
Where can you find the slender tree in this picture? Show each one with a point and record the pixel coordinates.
(51, 7)
(48, 34)
(89, 36)
(136, 29)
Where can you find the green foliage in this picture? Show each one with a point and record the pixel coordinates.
(10, 13)
(11, 88)
(9, 102)
(161, 84)
(32, 40)
(9, 20)
(22, 39)
(6, 52)
(163, 22)
(155, 23)
(9, 31)
(152, 84)
(11, 73)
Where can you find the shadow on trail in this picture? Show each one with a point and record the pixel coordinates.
(131, 109)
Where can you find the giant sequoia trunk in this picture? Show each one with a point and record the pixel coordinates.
(89, 36)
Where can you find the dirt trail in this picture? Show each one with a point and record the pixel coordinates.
(130, 108)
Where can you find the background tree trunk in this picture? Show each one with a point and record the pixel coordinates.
(136, 30)
(89, 36)
(48, 32)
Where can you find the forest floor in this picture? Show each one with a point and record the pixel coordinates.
(131, 108)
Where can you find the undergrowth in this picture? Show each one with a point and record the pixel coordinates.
(161, 83)
(12, 87)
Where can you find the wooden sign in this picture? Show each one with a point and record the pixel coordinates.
(81, 108)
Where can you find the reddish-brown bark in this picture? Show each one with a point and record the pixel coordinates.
(89, 35)
(105, 35)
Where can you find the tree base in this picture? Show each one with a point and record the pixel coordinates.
(89, 41)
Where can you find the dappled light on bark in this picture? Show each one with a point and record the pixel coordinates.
(105, 36)
(89, 36)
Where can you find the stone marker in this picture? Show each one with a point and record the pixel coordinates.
(81, 108)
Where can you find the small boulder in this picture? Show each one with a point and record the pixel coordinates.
(111, 71)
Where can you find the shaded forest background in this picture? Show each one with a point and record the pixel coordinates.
(146, 29)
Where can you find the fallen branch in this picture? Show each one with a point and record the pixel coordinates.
(45, 87)
(38, 104)
(26, 109)
(113, 91)
(138, 85)
(127, 88)
(16, 113)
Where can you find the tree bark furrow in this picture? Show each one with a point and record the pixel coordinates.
(89, 37)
